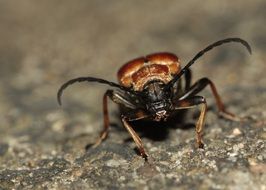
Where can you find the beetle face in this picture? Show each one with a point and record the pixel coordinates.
(157, 101)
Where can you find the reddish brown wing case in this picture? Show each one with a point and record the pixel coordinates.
(157, 66)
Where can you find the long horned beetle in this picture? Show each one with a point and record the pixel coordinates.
(149, 88)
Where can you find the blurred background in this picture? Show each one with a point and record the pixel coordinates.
(45, 43)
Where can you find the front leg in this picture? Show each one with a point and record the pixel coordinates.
(191, 103)
(133, 117)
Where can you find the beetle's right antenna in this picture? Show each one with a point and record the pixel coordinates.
(88, 79)
(202, 52)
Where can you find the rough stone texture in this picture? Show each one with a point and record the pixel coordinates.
(45, 43)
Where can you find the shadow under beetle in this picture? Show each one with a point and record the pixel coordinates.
(151, 88)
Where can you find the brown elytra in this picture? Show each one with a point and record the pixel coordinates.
(157, 66)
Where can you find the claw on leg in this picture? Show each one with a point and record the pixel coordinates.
(100, 139)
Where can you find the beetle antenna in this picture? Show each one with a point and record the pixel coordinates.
(202, 52)
(88, 79)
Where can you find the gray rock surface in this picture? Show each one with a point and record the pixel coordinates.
(45, 43)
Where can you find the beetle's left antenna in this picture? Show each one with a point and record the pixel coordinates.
(202, 52)
(87, 79)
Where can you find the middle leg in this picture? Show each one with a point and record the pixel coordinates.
(199, 86)
(117, 98)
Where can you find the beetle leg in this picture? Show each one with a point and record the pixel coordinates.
(178, 89)
(190, 103)
(106, 121)
(135, 116)
(135, 137)
(200, 85)
(117, 98)
(187, 79)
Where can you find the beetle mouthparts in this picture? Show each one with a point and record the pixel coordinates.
(161, 115)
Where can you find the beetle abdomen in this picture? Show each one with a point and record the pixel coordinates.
(158, 66)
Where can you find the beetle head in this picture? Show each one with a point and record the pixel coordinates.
(157, 100)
